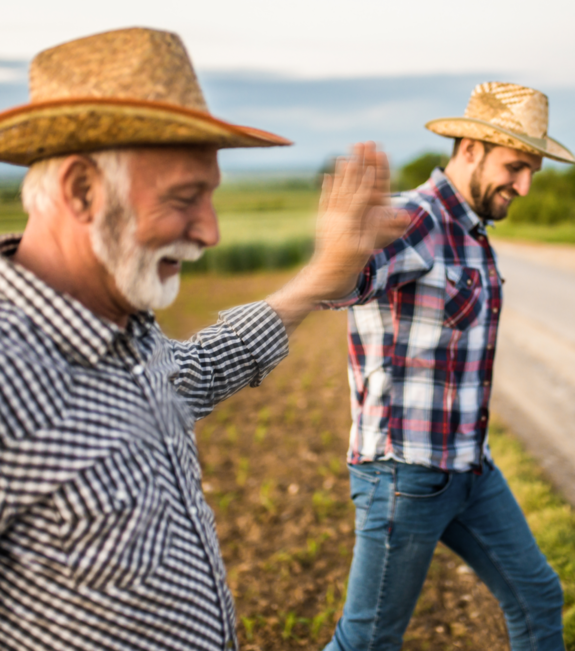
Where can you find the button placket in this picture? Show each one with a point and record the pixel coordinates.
(494, 305)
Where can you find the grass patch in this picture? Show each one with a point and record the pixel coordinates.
(551, 519)
(253, 256)
(562, 233)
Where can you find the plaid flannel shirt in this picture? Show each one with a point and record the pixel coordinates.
(106, 541)
(422, 331)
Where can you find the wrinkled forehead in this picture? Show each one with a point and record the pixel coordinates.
(165, 167)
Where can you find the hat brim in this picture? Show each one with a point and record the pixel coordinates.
(34, 131)
(483, 130)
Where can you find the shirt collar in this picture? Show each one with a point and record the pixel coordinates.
(453, 201)
(77, 331)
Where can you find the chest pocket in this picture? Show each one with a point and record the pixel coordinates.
(115, 522)
(464, 297)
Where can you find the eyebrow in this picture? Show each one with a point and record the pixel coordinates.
(177, 190)
(523, 164)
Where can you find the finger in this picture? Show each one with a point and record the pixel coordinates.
(362, 196)
(337, 180)
(359, 151)
(350, 181)
(369, 153)
(383, 172)
(326, 188)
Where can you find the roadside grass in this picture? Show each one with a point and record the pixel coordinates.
(561, 233)
(551, 519)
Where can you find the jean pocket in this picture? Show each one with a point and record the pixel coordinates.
(419, 482)
(363, 486)
(463, 299)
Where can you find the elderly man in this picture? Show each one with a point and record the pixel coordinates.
(423, 327)
(106, 541)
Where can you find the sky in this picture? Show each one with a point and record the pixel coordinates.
(319, 38)
(328, 72)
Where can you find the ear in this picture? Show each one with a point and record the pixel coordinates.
(471, 150)
(81, 187)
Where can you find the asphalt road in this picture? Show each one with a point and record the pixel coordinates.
(534, 380)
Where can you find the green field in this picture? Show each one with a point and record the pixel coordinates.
(249, 213)
(271, 224)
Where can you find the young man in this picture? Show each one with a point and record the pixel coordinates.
(106, 541)
(423, 327)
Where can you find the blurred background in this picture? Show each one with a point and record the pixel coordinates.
(327, 73)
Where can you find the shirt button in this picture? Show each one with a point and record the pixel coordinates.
(489, 346)
(138, 369)
(495, 310)
(483, 419)
(469, 283)
(486, 383)
(194, 510)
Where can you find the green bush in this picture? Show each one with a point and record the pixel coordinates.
(418, 170)
(550, 201)
(253, 256)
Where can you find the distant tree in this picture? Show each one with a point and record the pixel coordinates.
(550, 201)
(418, 170)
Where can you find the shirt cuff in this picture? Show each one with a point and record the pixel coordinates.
(263, 334)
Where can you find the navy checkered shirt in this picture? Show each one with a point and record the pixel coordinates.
(106, 541)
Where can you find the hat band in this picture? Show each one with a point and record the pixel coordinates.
(536, 143)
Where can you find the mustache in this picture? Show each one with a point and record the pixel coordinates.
(189, 251)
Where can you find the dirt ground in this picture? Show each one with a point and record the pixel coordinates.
(274, 472)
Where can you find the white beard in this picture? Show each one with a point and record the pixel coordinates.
(135, 267)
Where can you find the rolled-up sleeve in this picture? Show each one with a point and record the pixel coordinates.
(244, 345)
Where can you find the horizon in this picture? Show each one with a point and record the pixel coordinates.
(324, 116)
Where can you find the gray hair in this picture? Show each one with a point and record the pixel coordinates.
(41, 180)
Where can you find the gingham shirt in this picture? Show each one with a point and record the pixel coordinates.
(106, 542)
(422, 334)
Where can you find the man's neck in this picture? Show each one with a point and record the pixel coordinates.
(69, 266)
(459, 180)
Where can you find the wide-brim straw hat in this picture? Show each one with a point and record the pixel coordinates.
(506, 114)
(117, 89)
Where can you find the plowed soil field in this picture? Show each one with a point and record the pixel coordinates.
(274, 469)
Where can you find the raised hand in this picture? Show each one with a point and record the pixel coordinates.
(355, 219)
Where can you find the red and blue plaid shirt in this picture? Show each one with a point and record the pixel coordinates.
(422, 331)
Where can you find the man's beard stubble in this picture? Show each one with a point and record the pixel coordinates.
(484, 203)
(135, 267)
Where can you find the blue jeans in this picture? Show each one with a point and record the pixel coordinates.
(402, 511)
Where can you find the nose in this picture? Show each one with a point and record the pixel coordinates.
(204, 228)
(522, 183)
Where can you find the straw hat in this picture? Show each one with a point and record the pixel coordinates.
(506, 114)
(127, 87)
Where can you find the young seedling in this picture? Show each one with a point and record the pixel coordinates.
(243, 471)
